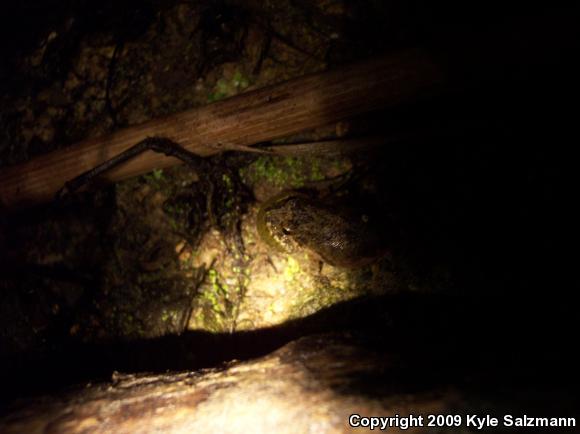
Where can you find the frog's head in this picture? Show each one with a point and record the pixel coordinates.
(281, 220)
(281, 226)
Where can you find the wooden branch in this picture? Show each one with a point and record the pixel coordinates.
(302, 103)
(347, 146)
(253, 117)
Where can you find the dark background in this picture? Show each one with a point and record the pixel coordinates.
(491, 200)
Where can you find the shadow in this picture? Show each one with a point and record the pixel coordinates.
(492, 204)
(440, 339)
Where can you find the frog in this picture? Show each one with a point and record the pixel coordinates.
(339, 236)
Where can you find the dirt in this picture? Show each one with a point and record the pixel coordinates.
(146, 258)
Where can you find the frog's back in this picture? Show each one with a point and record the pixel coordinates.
(339, 239)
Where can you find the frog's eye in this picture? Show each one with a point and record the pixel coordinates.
(286, 230)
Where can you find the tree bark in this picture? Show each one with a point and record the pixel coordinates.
(247, 119)
(310, 385)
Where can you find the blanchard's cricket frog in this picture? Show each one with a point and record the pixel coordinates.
(294, 221)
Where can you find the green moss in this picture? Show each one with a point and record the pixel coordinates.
(286, 172)
(170, 315)
(292, 269)
(216, 96)
(157, 174)
(225, 88)
(229, 186)
(239, 81)
(156, 179)
(216, 294)
(219, 302)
